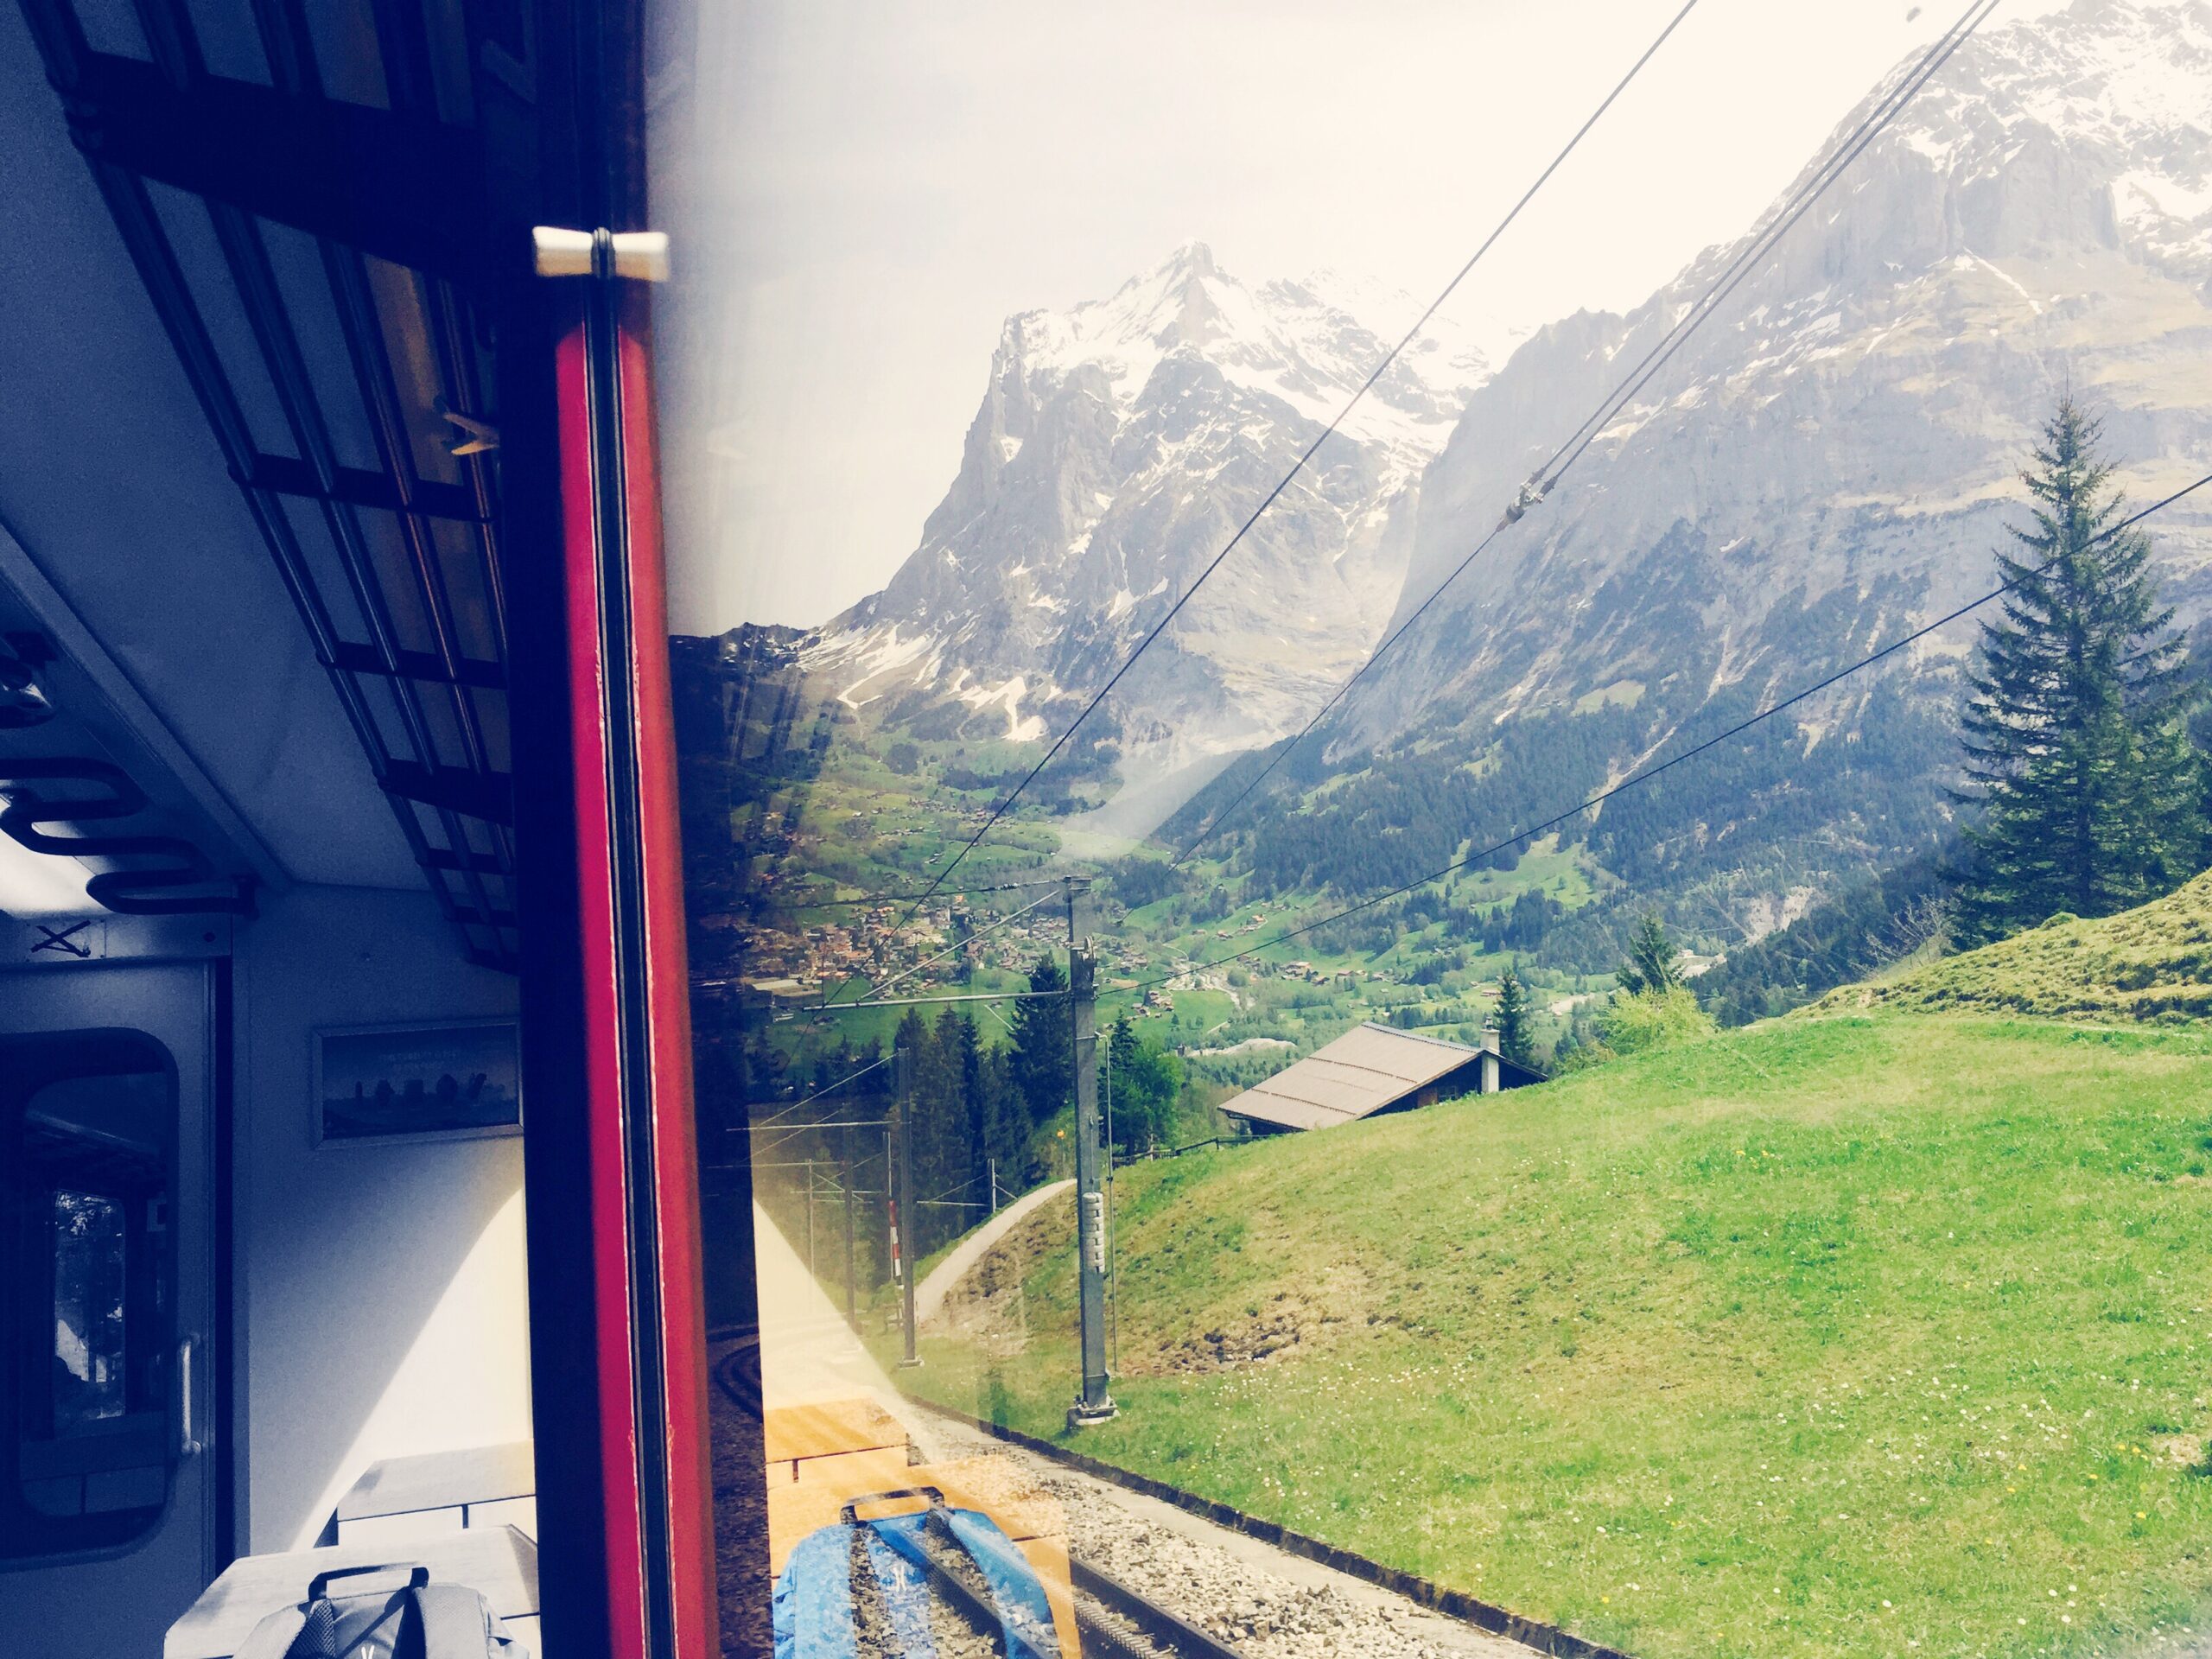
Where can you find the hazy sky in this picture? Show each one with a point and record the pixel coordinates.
(862, 193)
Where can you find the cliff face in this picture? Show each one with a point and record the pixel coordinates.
(1117, 449)
(1834, 457)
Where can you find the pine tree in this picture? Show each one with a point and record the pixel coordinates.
(1044, 1043)
(944, 1150)
(2076, 748)
(1121, 1088)
(1147, 1083)
(1650, 962)
(1515, 1040)
(955, 1036)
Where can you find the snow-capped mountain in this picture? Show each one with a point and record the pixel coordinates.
(1828, 463)
(1118, 447)
(1830, 460)
(1835, 454)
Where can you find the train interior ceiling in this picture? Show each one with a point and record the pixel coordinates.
(259, 1096)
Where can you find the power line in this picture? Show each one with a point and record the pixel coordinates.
(1877, 121)
(1541, 480)
(1298, 466)
(822, 1093)
(1645, 776)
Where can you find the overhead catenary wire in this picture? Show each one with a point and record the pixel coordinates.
(835, 1123)
(1541, 480)
(945, 1196)
(797, 1130)
(821, 1094)
(1299, 466)
(1645, 775)
(928, 1002)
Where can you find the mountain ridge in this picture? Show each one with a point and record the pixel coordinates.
(1831, 462)
(1828, 463)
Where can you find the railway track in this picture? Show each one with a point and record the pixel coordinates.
(1113, 1620)
(1158, 1630)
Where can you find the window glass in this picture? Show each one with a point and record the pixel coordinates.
(1523, 892)
(89, 1253)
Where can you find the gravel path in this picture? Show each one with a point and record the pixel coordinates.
(930, 1294)
(1265, 1602)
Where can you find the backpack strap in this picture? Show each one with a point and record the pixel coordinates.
(457, 1624)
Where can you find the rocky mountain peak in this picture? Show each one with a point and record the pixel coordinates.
(1118, 444)
(1834, 457)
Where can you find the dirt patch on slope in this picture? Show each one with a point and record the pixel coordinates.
(1285, 1321)
(1301, 1321)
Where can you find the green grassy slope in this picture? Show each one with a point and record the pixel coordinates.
(2152, 963)
(1874, 1334)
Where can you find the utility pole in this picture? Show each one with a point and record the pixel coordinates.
(993, 1164)
(852, 1299)
(902, 1217)
(811, 1272)
(1094, 1404)
(1113, 1302)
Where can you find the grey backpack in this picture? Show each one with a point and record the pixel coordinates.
(420, 1620)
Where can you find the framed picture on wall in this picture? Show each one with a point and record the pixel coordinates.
(378, 1084)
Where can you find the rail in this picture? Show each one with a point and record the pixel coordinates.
(1114, 1621)
(1167, 1632)
(1425, 1593)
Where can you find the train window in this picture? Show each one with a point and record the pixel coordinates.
(87, 1144)
(1500, 990)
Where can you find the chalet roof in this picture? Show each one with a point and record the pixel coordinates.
(1369, 1068)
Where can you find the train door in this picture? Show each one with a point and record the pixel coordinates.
(109, 1490)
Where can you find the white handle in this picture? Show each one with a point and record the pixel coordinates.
(640, 255)
(187, 1439)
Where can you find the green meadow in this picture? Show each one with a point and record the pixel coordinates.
(1878, 1332)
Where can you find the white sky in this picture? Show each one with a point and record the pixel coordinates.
(869, 188)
